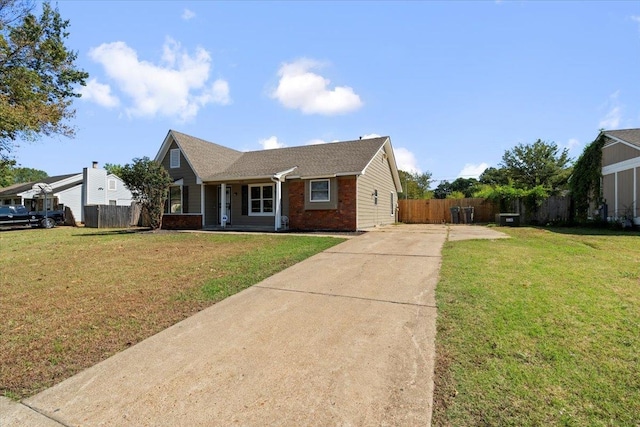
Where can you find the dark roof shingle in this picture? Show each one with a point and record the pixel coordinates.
(347, 157)
(24, 186)
(632, 136)
(205, 157)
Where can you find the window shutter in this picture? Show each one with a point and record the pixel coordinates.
(245, 200)
(185, 199)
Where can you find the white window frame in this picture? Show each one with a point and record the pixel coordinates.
(169, 201)
(262, 199)
(328, 199)
(112, 185)
(174, 158)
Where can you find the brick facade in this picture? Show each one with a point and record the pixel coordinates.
(343, 218)
(181, 222)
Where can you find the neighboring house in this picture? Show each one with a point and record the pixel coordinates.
(621, 173)
(349, 185)
(94, 186)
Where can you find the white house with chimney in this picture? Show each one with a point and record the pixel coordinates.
(94, 186)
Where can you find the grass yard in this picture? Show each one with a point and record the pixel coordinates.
(71, 297)
(542, 329)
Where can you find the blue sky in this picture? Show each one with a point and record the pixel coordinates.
(454, 84)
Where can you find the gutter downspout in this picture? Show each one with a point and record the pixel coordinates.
(279, 178)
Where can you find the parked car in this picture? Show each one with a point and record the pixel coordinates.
(16, 215)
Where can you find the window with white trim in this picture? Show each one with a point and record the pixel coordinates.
(174, 158)
(112, 185)
(174, 202)
(261, 201)
(319, 190)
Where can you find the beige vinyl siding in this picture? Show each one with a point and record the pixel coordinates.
(625, 192)
(618, 152)
(188, 177)
(637, 199)
(377, 176)
(608, 191)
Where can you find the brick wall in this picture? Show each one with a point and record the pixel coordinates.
(343, 218)
(181, 222)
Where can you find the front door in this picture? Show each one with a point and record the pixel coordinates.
(228, 210)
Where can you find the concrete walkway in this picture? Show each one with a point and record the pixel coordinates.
(344, 338)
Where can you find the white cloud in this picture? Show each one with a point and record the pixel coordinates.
(573, 143)
(614, 115)
(472, 171)
(611, 120)
(299, 88)
(176, 88)
(406, 160)
(188, 14)
(271, 143)
(99, 93)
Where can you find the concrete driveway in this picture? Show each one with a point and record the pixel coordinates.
(344, 338)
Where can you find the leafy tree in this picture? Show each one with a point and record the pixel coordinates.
(459, 189)
(585, 178)
(9, 174)
(6, 172)
(494, 176)
(442, 190)
(149, 184)
(28, 175)
(537, 164)
(414, 185)
(114, 169)
(455, 195)
(37, 74)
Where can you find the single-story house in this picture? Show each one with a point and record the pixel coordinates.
(94, 186)
(621, 173)
(350, 185)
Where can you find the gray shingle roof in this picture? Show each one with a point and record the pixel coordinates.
(206, 158)
(632, 136)
(348, 157)
(19, 188)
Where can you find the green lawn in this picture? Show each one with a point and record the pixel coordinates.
(540, 329)
(71, 297)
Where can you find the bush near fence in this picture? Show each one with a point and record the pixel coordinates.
(437, 211)
(109, 216)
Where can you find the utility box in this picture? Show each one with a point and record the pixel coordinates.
(508, 219)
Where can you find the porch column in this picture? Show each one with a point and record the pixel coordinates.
(202, 204)
(223, 204)
(278, 179)
(278, 202)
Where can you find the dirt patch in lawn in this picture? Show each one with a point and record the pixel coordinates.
(73, 297)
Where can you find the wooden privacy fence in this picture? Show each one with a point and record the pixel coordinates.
(553, 209)
(109, 216)
(436, 211)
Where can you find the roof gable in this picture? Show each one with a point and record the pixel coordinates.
(204, 157)
(629, 136)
